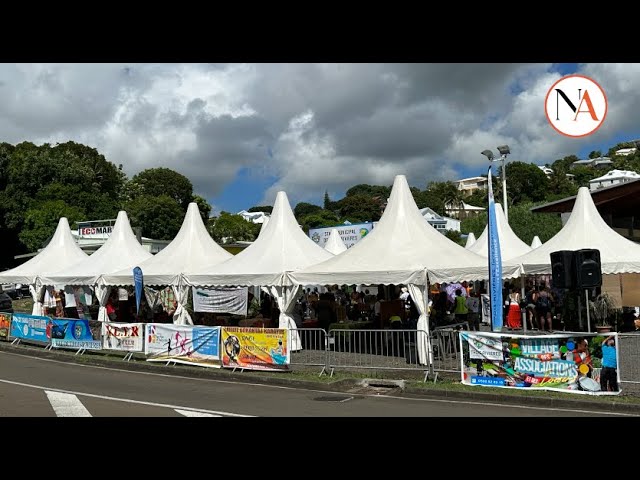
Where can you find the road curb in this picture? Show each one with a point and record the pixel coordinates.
(343, 385)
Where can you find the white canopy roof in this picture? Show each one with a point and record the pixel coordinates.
(471, 239)
(335, 244)
(585, 229)
(121, 250)
(281, 247)
(191, 248)
(510, 244)
(62, 250)
(400, 250)
(535, 243)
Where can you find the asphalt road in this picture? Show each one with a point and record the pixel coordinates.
(38, 387)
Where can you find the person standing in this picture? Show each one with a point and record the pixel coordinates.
(460, 310)
(473, 305)
(609, 372)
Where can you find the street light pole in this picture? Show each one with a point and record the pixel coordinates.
(504, 187)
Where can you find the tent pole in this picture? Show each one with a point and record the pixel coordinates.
(523, 313)
(586, 300)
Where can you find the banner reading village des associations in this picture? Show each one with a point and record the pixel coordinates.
(562, 362)
(255, 348)
(182, 344)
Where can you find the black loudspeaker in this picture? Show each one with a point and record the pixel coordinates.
(588, 268)
(563, 269)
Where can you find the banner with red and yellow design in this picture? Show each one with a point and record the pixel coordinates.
(255, 348)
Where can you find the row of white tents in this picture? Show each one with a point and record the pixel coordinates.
(402, 249)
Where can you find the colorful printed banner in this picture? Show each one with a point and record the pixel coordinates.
(580, 363)
(255, 348)
(32, 328)
(183, 344)
(75, 333)
(5, 326)
(125, 337)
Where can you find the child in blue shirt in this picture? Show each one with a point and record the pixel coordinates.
(609, 373)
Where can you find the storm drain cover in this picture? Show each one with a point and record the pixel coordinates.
(333, 398)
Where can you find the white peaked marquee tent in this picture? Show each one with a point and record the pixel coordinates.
(535, 243)
(335, 244)
(191, 248)
(280, 248)
(471, 239)
(62, 250)
(585, 229)
(510, 244)
(402, 249)
(120, 251)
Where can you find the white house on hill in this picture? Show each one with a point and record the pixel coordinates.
(253, 217)
(439, 222)
(612, 178)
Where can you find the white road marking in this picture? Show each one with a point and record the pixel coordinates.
(67, 405)
(189, 413)
(281, 387)
(124, 400)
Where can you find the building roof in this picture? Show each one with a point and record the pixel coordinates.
(622, 199)
(615, 174)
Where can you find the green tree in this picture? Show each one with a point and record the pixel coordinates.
(31, 175)
(439, 194)
(204, 207)
(159, 217)
(525, 183)
(582, 175)
(475, 224)
(375, 191)
(564, 164)
(303, 209)
(526, 224)
(41, 221)
(327, 200)
(595, 154)
(360, 208)
(228, 228)
(262, 208)
(154, 182)
(455, 236)
(321, 218)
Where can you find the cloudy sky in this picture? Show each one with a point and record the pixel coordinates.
(242, 132)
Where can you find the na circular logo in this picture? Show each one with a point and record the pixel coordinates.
(315, 237)
(576, 106)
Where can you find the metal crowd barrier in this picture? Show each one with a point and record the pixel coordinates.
(374, 349)
(445, 342)
(629, 359)
(314, 352)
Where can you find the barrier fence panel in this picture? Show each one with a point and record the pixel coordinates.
(374, 349)
(445, 342)
(314, 348)
(629, 358)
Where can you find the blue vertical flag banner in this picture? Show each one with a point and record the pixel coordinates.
(137, 282)
(495, 263)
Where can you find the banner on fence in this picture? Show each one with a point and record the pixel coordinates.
(221, 300)
(581, 363)
(255, 348)
(32, 328)
(75, 333)
(183, 344)
(125, 337)
(5, 325)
